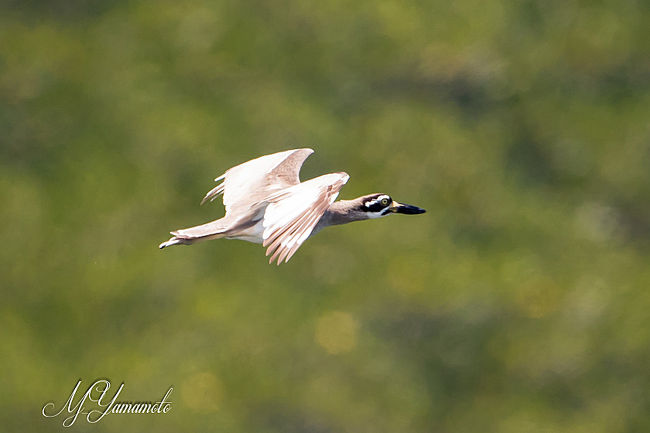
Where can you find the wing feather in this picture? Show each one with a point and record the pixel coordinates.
(293, 213)
(252, 182)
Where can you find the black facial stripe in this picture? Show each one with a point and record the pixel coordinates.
(374, 206)
(385, 211)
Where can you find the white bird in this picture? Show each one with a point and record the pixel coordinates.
(266, 203)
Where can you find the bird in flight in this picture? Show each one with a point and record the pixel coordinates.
(267, 204)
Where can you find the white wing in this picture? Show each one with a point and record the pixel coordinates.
(253, 181)
(293, 213)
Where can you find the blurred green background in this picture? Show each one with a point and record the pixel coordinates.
(518, 303)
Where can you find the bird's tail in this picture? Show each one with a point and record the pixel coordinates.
(212, 230)
(172, 241)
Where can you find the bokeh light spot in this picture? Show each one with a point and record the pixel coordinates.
(337, 332)
(202, 392)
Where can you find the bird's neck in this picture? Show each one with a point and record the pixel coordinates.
(338, 213)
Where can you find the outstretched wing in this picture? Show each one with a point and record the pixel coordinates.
(293, 213)
(255, 180)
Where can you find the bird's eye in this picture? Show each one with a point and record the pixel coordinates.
(384, 202)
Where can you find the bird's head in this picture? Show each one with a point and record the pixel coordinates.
(379, 205)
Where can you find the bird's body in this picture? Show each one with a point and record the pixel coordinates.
(266, 203)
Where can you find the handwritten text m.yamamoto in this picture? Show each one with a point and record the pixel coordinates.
(95, 404)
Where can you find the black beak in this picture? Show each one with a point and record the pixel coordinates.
(406, 209)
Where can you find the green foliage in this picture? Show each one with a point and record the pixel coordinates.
(518, 303)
